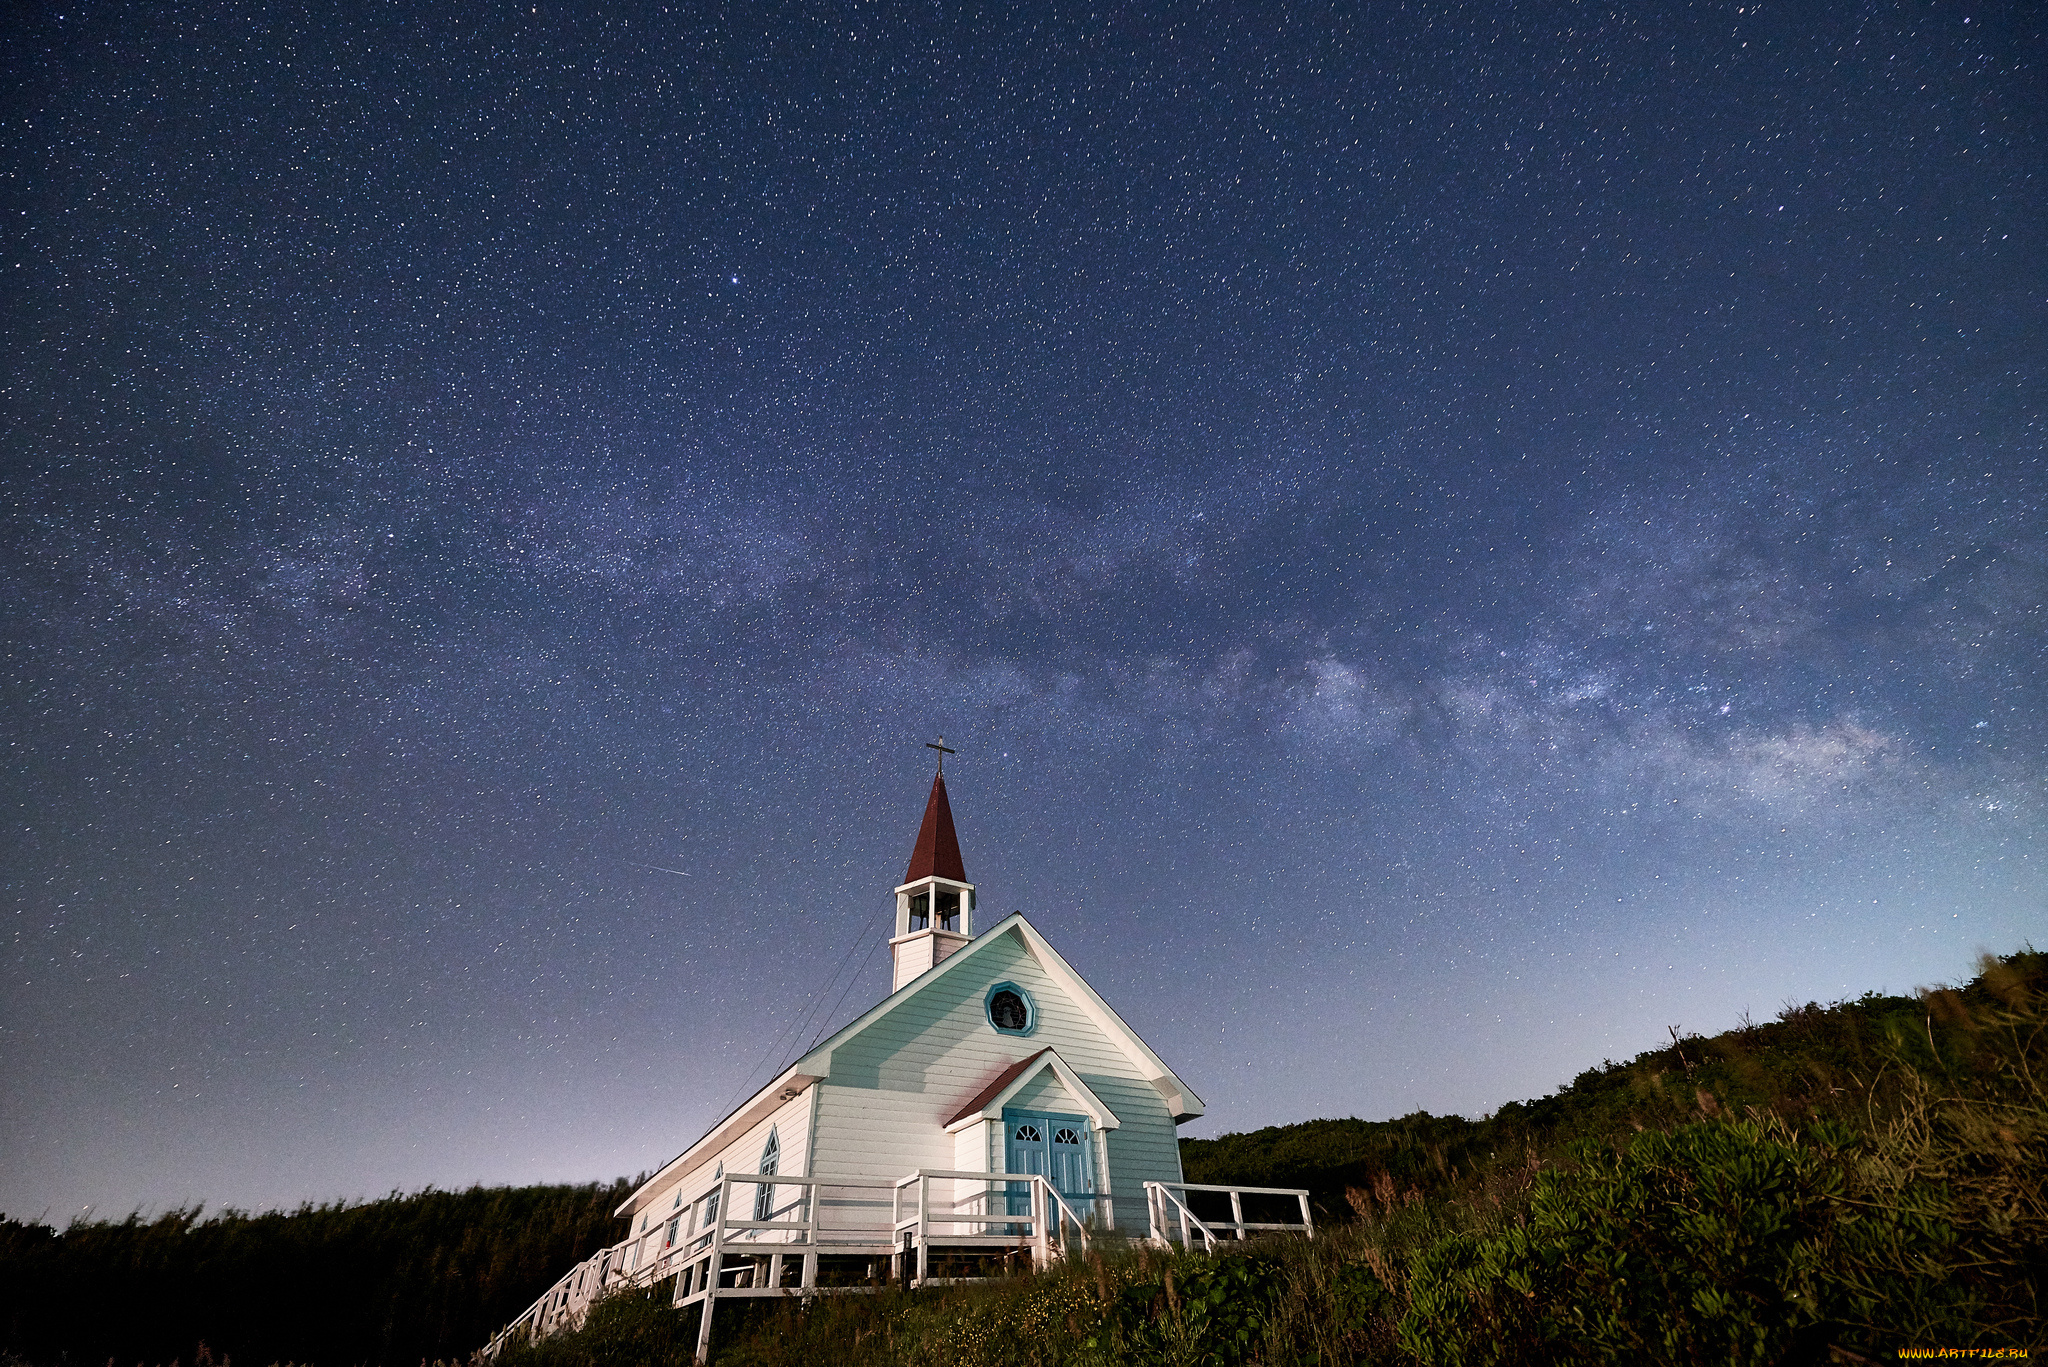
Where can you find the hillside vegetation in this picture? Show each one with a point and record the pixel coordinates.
(1836, 1185)
(1842, 1184)
(1811, 1062)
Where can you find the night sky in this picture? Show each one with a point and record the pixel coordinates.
(1448, 538)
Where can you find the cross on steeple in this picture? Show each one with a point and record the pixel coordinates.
(943, 749)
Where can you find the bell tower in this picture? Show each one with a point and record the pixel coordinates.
(935, 902)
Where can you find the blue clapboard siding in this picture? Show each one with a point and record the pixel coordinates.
(893, 1085)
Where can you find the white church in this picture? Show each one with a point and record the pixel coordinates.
(991, 1111)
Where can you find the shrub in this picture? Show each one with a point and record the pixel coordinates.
(1706, 1245)
(1753, 1242)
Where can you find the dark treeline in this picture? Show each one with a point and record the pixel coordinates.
(1812, 1062)
(393, 1281)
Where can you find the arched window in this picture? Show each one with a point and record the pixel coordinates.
(711, 1201)
(771, 1158)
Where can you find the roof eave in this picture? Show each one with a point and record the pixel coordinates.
(1182, 1097)
(748, 1114)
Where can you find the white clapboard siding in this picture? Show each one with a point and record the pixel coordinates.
(894, 1084)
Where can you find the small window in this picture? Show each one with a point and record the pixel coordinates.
(1010, 1009)
(669, 1239)
(1066, 1135)
(1028, 1134)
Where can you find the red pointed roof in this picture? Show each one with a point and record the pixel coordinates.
(938, 848)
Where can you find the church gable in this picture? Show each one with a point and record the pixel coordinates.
(938, 1046)
(1046, 1092)
(897, 1085)
(918, 1040)
(1042, 1080)
(951, 1017)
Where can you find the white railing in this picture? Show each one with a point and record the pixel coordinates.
(1167, 1210)
(903, 1221)
(971, 1222)
(566, 1301)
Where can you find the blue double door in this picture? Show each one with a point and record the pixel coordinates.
(1047, 1145)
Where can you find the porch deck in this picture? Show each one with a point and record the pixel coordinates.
(842, 1237)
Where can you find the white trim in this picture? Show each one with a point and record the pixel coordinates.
(1104, 1118)
(932, 882)
(811, 1095)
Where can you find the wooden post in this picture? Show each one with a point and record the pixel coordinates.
(924, 1226)
(1041, 1206)
(1237, 1214)
(1307, 1223)
(704, 1324)
(715, 1270)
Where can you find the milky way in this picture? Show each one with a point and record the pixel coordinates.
(1448, 540)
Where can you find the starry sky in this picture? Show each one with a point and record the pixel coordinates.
(1449, 539)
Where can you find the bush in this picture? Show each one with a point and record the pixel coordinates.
(1707, 1245)
(1753, 1242)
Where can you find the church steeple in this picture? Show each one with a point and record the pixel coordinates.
(937, 853)
(935, 902)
